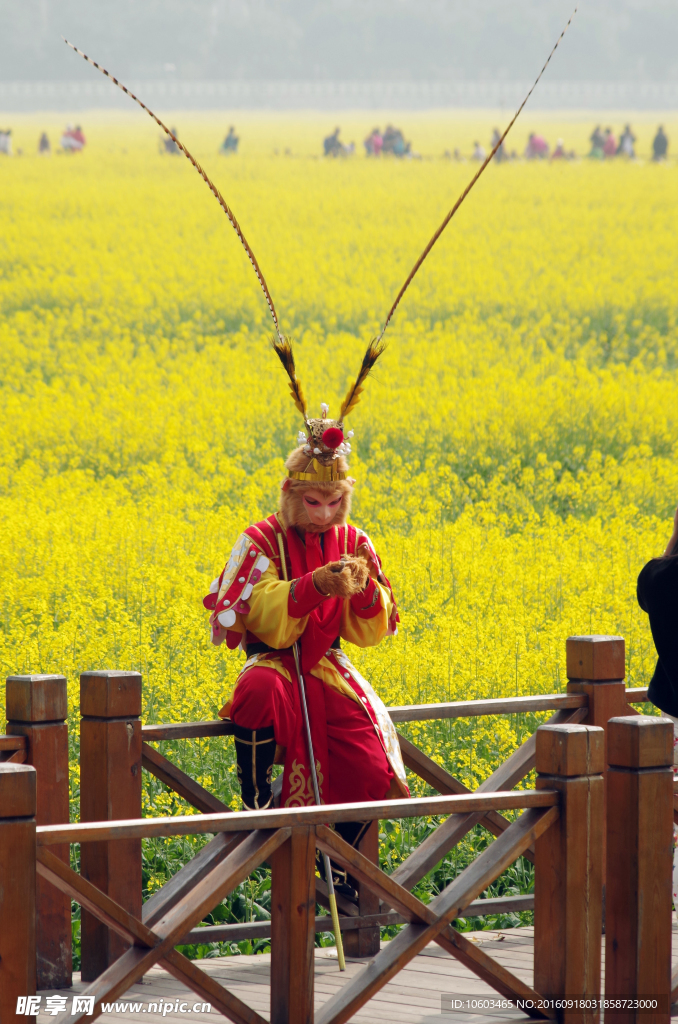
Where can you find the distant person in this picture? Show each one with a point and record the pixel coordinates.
(44, 148)
(609, 144)
(400, 146)
(457, 155)
(394, 142)
(537, 147)
(627, 144)
(6, 141)
(501, 153)
(72, 139)
(168, 145)
(660, 144)
(390, 134)
(597, 141)
(479, 152)
(559, 152)
(373, 143)
(332, 145)
(230, 143)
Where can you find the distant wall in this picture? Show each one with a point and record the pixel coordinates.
(339, 95)
(332, 40)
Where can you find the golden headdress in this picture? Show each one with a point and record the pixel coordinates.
(323, 440)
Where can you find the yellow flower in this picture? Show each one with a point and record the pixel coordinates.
(515, 454)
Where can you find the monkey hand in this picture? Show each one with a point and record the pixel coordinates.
(342, 579)
(373, 567)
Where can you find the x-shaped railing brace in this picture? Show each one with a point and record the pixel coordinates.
(456, 826)
(432, 922)
(178, 914)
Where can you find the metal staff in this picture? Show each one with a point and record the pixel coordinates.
(314, 777)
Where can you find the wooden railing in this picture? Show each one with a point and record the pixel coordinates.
(288, 839)
(564, 829)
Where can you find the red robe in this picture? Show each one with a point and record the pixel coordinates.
(263, 605)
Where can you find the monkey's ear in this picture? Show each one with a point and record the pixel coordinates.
(286, 483)
(350, 480)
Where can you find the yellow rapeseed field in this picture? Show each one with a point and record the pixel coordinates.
(515, 453)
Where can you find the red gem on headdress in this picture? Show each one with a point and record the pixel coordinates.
(333, 437)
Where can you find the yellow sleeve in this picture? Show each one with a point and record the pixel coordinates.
(268, 618)
(367, 632)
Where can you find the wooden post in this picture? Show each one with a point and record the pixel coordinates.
(639, 865)
(292, 928)
(568, 868)
(37, 707)
(361, 942)
(17, 886)
(110, 789)
(596, 667)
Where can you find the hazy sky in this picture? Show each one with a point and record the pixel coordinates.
(335, 39)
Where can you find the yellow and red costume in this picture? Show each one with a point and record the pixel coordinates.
(263, 606)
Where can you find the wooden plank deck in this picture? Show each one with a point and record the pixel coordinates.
(413, 997)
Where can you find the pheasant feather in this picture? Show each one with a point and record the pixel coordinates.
(374, 350)
(283, 348)
(470, 185)
(208, 181)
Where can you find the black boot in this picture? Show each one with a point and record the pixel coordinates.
(255, 753)
(344, 884)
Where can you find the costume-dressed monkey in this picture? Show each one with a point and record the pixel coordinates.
(288, 579)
